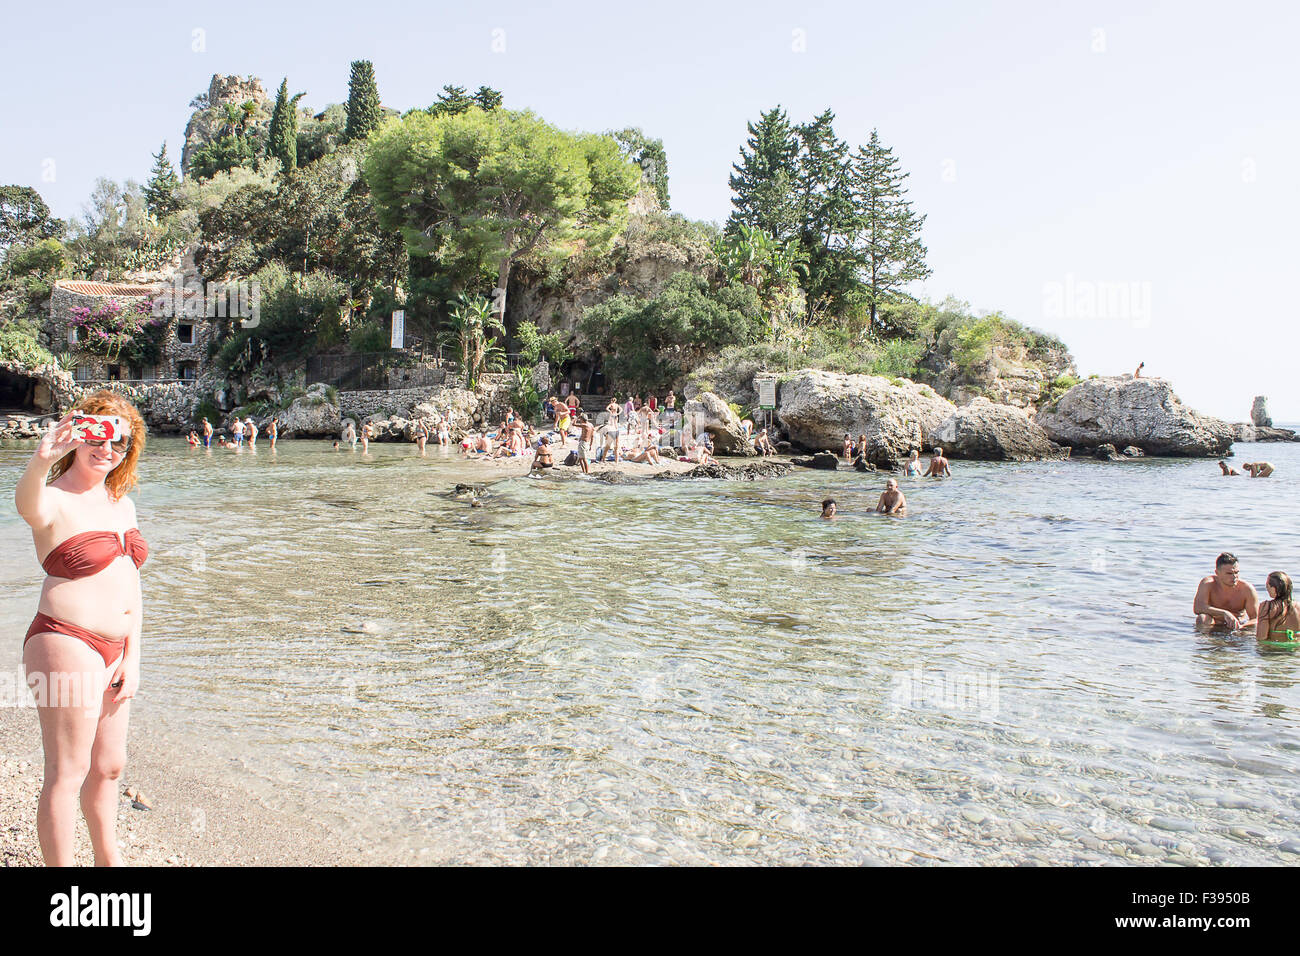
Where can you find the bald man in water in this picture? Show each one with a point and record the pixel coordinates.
(1223, 599)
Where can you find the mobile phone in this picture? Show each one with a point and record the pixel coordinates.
(97, 427)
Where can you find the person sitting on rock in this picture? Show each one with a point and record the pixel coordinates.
(763, 444)
(1138, 371)
(1258, 469)
(939, 466)
(1223, 599)
(891, 500)
(1227, 470)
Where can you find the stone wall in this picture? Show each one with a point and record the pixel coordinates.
(70, 294)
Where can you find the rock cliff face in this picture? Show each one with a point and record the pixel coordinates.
(209, 124)
(985, 431)
(1143, 412)
(816, 409)
(643, 259)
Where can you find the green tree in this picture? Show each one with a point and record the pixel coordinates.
(763, 181)
(24, 217)
(493, 187)
(650, 156)
(160, 191)
(364, 111)
(283, 140)
(469, 335)
(824, 209)
(487, 98)
(885, 231)
(452, 101)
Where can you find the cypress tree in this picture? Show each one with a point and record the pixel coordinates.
(160, 192)
(886, 232)
(364, 111)
(282, 143)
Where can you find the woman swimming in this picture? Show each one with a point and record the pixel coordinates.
(82, 651)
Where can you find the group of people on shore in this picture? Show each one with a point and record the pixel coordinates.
(241, 432)
(1225, 601)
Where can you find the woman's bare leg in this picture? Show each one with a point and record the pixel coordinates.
(99, 792)
(68, 679)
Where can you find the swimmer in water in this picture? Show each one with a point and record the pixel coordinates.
(939, 466)
(914, 464)
(1223, 599)
(1279, 618)
(1258, 469)
(891, 500)
(828, 509)
(1227, 471)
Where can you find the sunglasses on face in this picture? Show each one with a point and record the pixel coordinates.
(120, 446)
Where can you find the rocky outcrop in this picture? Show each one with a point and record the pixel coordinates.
(1245, 431)
(987, 432)
(817, 408)
(823, 461)
(46, 389)
(209, 122)
(310, 416)
(751, 471)
(1013, 374)
(1259, 416)
(707, 412)
(1143, 412)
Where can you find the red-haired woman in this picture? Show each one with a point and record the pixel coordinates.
(82, 652)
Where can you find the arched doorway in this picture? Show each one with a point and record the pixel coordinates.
(18, 393)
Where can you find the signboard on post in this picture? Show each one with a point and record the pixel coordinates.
(765, 385)
(399, 328)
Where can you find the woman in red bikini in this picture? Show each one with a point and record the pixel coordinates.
(82, 652)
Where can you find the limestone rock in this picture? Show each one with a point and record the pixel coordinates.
(707, 412)
(823, 460)
(817, 408)
(311, 416)
(1259, 416)
(987, 432)
(1134, 411)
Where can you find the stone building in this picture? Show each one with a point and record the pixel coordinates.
(184, 346)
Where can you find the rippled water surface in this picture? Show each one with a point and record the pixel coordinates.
(703, 672)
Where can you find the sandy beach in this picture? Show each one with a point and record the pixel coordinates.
(192, 821)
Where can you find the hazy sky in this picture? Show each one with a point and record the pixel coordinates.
(1139, 156)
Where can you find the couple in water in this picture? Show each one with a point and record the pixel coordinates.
(891, 502)
(1224, 600)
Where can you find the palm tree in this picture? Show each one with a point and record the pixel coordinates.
(470, 323)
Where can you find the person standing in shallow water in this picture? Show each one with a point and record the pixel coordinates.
(82, 652)
(891, 500)
(939, 466)
(272, 433)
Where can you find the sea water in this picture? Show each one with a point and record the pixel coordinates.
(706, 672)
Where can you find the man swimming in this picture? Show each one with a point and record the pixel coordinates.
(891, 500)
(939, 466)
(1223, 599)
(1227, 470)
(828, 508)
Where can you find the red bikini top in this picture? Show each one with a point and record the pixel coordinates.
(92, 551)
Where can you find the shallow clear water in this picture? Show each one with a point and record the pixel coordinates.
(706, 672)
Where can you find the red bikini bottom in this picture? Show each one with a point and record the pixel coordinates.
(43, 623)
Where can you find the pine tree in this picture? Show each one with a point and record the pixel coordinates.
(487, 98)
(886, 233)
(282, 143)
(160, 192)
(453, 100)
(824, 208)
(364, 111)
(764, 178)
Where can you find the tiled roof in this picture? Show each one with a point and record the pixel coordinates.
(133, 290)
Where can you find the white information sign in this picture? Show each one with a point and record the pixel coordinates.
(399, 329)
